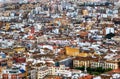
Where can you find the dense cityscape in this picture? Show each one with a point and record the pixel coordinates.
(59, 39)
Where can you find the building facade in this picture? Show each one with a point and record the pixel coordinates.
(95, 62)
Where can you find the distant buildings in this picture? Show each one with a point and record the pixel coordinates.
(95, 62)
(47, 39)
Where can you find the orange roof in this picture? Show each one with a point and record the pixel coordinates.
(31, 37)
(116, 70)
(86, 77)
(83, 34)
(53, 77)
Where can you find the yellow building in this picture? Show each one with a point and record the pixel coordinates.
(19, 49)
(7, 26)
(72, 51)
(85, 12)
(76, 52)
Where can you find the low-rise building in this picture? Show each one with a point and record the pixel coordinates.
(95, 62)
(13, 73)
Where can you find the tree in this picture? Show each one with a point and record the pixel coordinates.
(80, 68)
(109, 69)
(95, 73)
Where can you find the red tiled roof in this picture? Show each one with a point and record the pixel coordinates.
(86, 77)
(82, 33)
(116, 70)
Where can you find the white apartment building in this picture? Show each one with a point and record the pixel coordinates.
(60, 71)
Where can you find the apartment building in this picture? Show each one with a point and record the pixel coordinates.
(13, 74)
(94, 62)
(32, 73)
(43, 71)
